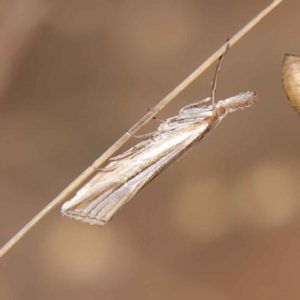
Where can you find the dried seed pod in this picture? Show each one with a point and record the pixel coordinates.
(290, 73)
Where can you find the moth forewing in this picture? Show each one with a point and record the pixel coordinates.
(98, 201)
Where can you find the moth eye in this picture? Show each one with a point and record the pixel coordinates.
(221, 111)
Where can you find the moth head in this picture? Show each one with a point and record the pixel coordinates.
(240, 101)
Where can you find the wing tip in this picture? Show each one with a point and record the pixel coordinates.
(82, 218)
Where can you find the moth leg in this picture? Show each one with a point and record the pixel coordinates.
(186, 118)
(215, 79)
(194, 108)
(95, 168)
(107, 169)
(146, 135)
(179, 124)
(132, 150)
(141, 136)
(104, 169)
(161, 129)
(157, 119)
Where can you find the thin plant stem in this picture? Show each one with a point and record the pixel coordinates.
(108, 153)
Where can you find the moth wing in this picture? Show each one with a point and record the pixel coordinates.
(87, 208)
(101, 198)
(110, 197)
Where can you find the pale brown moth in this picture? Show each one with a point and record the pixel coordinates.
(100, 199)
(290, 73)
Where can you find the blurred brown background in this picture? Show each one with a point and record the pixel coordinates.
(223, 223)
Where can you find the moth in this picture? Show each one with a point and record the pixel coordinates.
(126, 174)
